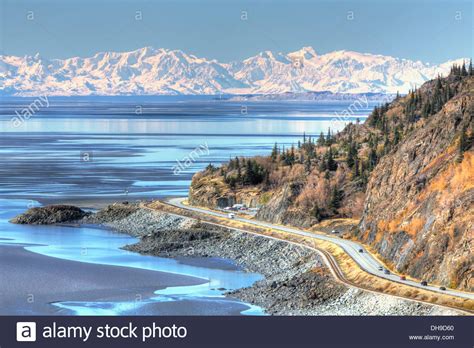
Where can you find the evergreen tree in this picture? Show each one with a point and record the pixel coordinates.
(448, 92)
(254, 173)
(274, 154)
(321, 140)
(316, 212)
(210, 168)
(329, 138)
(292, 155)
(323, 164)
(307, 165)
(386, 144)
(239, 175)
(462, 145)
(463, 69)
(331, 164)
(372, 159)
(396, 136)
(352, 154)
(336, 198)
(471, 72)
(356, 167)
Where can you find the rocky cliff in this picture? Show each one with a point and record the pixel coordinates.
(419, 206)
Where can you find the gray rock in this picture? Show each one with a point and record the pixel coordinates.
(49, 215)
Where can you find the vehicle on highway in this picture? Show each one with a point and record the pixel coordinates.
(334, 231)
(227, 208)
(442, 288)
(403, 278)
(424, 283)
(386, 271)
(361, 250)
(380, 268)
(231, 216)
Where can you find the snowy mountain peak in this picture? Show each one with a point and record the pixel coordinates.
(306, 52)
(151, 70)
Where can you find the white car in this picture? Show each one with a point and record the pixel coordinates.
(231, 216)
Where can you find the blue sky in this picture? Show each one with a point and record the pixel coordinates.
(431, 31)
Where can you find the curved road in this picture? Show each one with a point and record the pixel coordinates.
(366, 261)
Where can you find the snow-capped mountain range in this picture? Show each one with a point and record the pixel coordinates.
(150, 71)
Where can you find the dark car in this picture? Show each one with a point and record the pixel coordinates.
(361, 250)
(442, 288)
(386, 271)
(403, 278)
(424, 283)
(380, 268)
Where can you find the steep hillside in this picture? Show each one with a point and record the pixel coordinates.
(419, 209)
(407, 173)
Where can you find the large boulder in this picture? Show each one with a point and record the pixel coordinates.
(49, 215)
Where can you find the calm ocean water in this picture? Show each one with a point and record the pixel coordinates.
(127, 148)
(132, 146)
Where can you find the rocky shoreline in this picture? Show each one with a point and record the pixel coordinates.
(296, 281)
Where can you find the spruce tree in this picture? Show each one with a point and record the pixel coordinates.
(356, 167)
(307, 165)
(336, 198)
(274, 154)
(329, 138)
(462, 145)
(331, 164)
(396, 136)
(372, 159)
(316, 212)
(321, 140)
(463, 69)
(352, 154)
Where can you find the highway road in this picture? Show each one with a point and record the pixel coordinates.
(366, 261)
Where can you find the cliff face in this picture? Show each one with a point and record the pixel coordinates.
(419, 207)
(208, 189)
